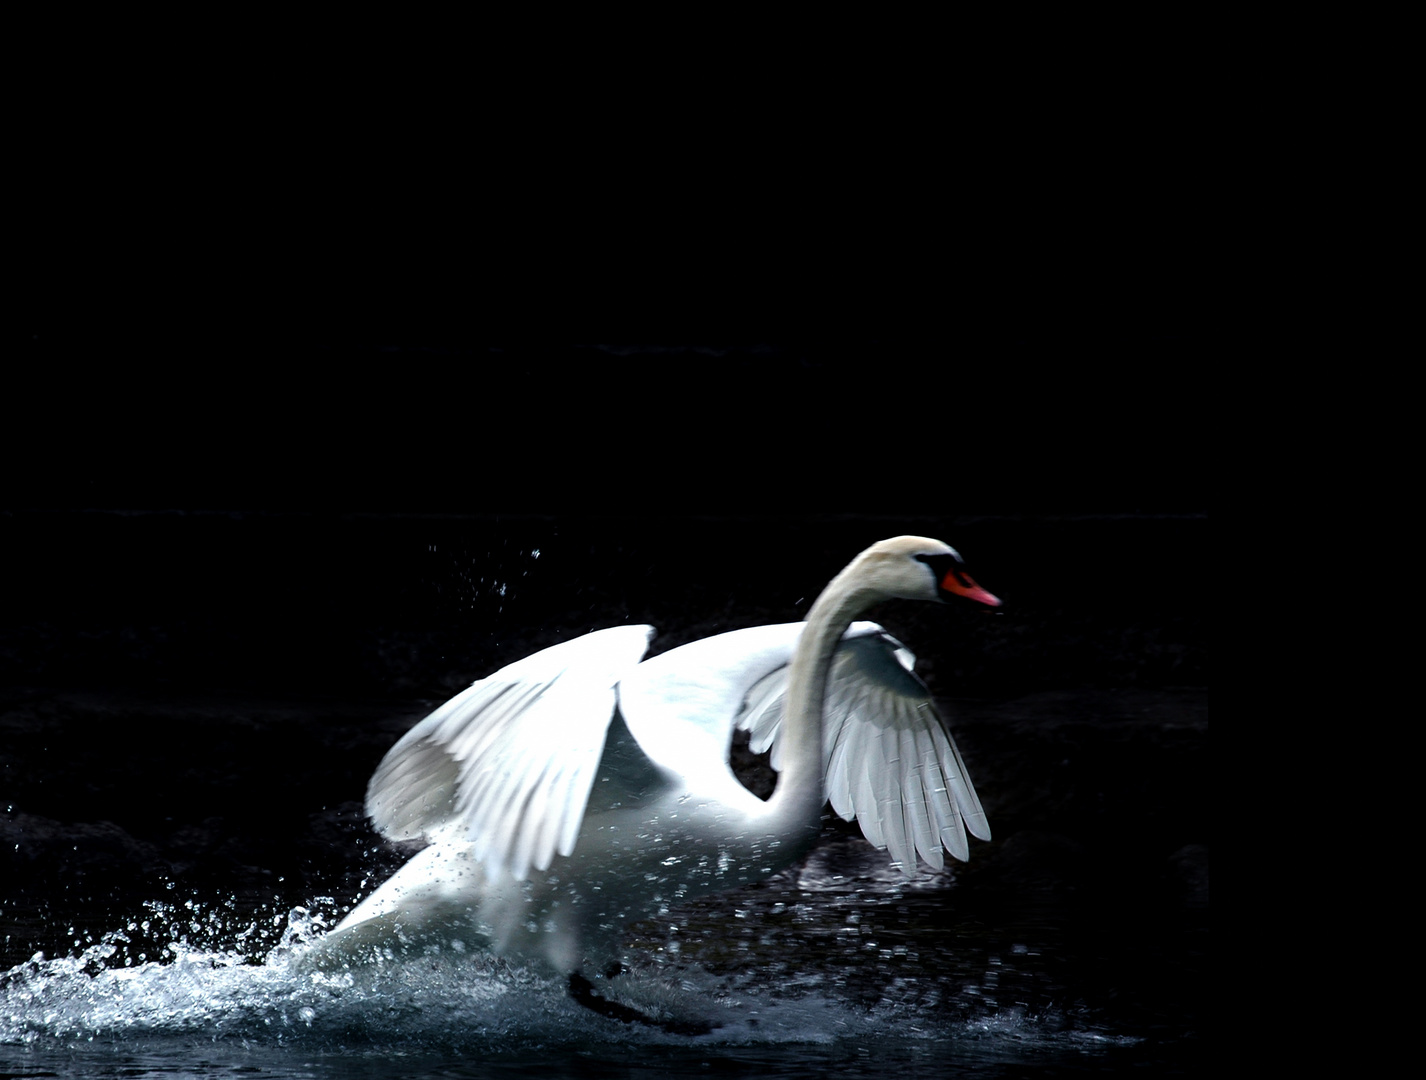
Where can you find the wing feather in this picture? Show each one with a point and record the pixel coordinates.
(890, 761)
(921, 798)
(508, 763)
(918, 819)
(865, 794)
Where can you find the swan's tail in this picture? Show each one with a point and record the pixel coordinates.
(433, 902)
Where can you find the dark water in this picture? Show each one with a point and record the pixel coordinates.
(191, 706)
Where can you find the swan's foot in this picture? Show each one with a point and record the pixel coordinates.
(582, 990)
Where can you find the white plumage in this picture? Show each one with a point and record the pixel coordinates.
(578, 789)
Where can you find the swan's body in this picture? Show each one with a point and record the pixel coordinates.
(578, 789)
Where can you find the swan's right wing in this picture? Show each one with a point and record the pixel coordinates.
(890, 762)
(508, 763)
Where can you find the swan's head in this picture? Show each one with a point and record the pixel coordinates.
(918, 568)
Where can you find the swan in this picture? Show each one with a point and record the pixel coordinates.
(579, 789)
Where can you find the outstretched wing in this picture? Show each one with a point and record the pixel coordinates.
(508, 763)
(890, 762)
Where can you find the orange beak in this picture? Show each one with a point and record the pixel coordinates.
(962, 585)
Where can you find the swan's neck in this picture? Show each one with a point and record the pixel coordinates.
(796, 803)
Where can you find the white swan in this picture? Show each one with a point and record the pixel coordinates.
(578, 790)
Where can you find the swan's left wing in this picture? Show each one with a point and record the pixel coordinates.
(890, 762)
(508, 763)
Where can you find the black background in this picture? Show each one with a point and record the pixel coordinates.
(274, 432)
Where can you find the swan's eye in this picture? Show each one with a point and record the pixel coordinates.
(940, 565)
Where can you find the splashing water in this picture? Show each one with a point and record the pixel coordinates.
(185, 979)
(103, 993)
